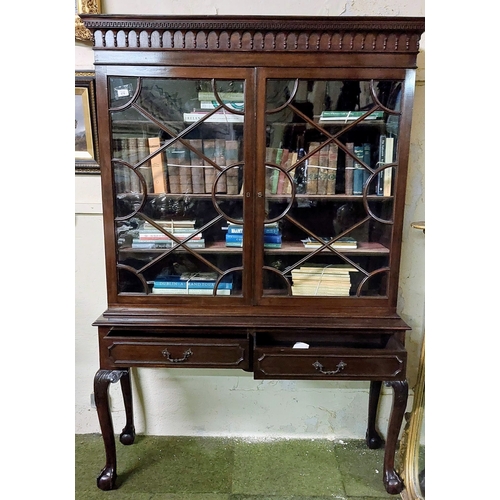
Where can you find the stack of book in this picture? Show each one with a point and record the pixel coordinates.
(333, 280)
(190, 284)
(345, 243)
(150, 237)
(272, 235)
(232, 100)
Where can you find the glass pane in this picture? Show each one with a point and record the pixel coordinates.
(330, 168)
(177, 158)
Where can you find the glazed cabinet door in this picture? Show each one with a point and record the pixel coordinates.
(330, 148)
(177, 162)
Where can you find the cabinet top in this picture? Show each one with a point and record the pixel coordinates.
(257, 33)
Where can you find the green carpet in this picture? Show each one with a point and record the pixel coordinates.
(197, 468)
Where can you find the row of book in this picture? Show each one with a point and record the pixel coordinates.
(330, 280)
(318, 174)
(150, 237)
(272, 235)
(191, 284)
(356, 175)
(178, 169)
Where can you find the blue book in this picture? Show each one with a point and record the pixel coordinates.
(268, 238)
(193, 285)
(358, 176)
(268, 229)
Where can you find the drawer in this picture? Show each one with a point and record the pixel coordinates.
(176, 352)
(331, 362)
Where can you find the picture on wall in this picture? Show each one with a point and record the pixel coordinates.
(86, 151)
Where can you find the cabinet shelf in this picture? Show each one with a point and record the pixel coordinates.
(364, 248)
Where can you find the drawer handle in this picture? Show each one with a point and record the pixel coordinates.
(319, 367)
(187, 354)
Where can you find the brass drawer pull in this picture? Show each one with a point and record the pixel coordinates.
(319, 367)
(187, 354)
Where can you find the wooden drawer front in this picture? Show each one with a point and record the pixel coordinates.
(218, 353)
(349, 364)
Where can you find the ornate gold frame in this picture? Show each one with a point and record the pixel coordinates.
(410, 441)
(87, 156)
(85, 7)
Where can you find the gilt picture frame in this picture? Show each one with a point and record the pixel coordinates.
(86, 146)
(85, 7)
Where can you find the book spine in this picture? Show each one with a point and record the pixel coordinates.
(197, 171)
(312, 170)
(349, 168)
(209, 151)
(232, 156)
(224, 96)
(333, 151)
(196, 285)
(174, 180)
(389, 158)
(357, 183)
(323, 170)
(220, 159)
(282, 178)
(381, 161)
(268, 238)
(157, 167)
(183, 160)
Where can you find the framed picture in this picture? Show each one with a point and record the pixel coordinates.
(85, 7)
(86, 150)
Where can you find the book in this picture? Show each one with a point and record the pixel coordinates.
(157, 167)
(349, 168)
(238, 237)
(232, 157)
(282, 178)
(237, 106)
(381, 162)
(146, 235)
(332, 280)
(209, 152)
(185, 178)
(197, 170)
(323, 170)
(220, 159)
(223, 96)
(342, 243)
(367, 159)
(349, 115)
(389, 158)
(145, 168)
(190, 291)
(312, 170)
(333, 152)
(135, 183)
(271, 155)
(357, 178)
(174, 155)
(270, 228)
(159, 244)
(292, 159)
(222, 116)
(192, 284)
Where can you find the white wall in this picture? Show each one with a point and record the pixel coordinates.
(231, 403)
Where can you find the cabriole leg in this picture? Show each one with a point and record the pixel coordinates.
(128, 433)
(373, 439)
(392, 482)
(107, 477)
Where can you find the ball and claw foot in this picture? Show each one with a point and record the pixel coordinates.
(393, 483)
(127, 436)
(106, 479)
(374, 441)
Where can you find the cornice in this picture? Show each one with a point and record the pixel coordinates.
(365, 34)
